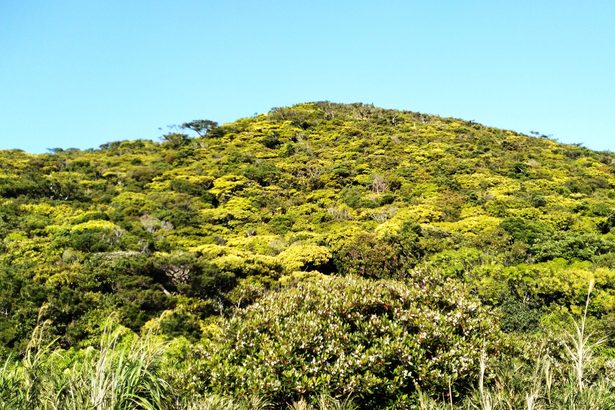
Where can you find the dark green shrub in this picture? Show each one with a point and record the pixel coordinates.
(607, 224)
(281, 224)
(524, 230)
(368, 256)
(353, 197)
(181, 324)
(538, 200)
(572, 245)
(520, 313)
(265, 173)
(271, 140)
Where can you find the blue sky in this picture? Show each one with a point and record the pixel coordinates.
(77, 73)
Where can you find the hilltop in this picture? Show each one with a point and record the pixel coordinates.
(176, 234)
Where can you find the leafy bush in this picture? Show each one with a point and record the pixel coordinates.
(264, 173)
(388, 257)
(350, 336)
(572, 246)
(524, 230)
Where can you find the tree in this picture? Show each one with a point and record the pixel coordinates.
(175, 139)
(201, 127)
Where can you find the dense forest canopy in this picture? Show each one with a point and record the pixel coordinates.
(194, 235)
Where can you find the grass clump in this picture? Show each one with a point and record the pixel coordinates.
(122, 372)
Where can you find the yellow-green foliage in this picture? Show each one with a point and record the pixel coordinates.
(213, 222)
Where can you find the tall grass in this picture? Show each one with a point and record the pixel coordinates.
(551, 383)
(579, 347)
(118, 376)
(24, 384)
(114, 376)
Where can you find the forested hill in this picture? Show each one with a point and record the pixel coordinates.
(173, 234)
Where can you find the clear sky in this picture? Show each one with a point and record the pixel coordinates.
(78, 73)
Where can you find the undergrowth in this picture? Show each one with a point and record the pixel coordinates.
(125, 371)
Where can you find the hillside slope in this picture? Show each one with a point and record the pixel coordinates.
(323, 247)
(144, 227)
